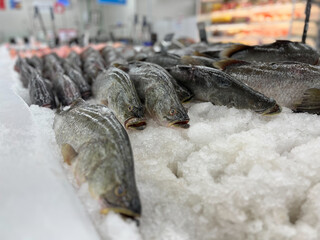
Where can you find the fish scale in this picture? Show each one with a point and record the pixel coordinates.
(286, 82)
(114, 88)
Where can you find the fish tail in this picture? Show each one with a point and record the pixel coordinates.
(310, 101)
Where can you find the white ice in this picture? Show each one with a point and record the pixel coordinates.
(233, 174)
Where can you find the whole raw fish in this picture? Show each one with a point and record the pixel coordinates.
(156, 90)
(98, 147)
(114, 88)
(77, 78)
(209, 84)
(39, 92)
(66, 90)
(281, 50)
(75, 61)
(93, 64)
(292, 84)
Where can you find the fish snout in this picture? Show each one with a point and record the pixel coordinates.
(138, 112)
(135, 206)
(276, 109)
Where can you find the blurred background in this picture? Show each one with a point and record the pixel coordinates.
(145, 21)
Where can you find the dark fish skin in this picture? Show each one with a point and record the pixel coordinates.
(51, 66)
(40, 94)
(209, 84)
(114, 87)
(25, 71)
(75, 61)
(66, 90)
(278, 51)
(104, 157)
(36, 63)
(286, 82)
(78, 79)
(93, 64)
(164, 59)
(156, 90)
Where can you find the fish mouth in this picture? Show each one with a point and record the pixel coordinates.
(123, 211)
(187, 99)
(276, 109)
(181, 124)
(46, 105)
(135, 123)
(86, 95)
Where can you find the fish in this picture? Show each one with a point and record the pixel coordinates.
(93, 64)
(279, 51)
(219, 88)
(51, 66)
(78, 79)
(292, 84)
(75, 61)
(66, 90)
(40, 93)
(25, 71)
(170, 60)
(155, 89)
(98, 148)
(163, 59)
(114, 88)
(36, 63)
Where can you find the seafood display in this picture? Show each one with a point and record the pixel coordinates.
(133, 85)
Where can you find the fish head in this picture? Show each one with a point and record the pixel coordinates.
(121, 200)
(169, 112)
(110, 177)
(263, 105)
(132, 111)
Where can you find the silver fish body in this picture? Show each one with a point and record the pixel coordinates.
(286, 82)
(209, 84)
(281, 50)
(102, 155)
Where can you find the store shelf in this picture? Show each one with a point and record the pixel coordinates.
(260, 23)
(231, 26)
(251, 10)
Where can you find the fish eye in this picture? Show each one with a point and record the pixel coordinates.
(172, 112)
(130, 108)
(119, 191)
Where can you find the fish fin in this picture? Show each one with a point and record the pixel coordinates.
(209, 54)
(223, 64)
(68, 153)
(185, 60)
(200, 54)
(104, 102)
(121, 67)
(78, 102)
(227, 53)
(59, 108)
(310, 101)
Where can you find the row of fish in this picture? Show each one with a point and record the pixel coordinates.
(135, 84)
